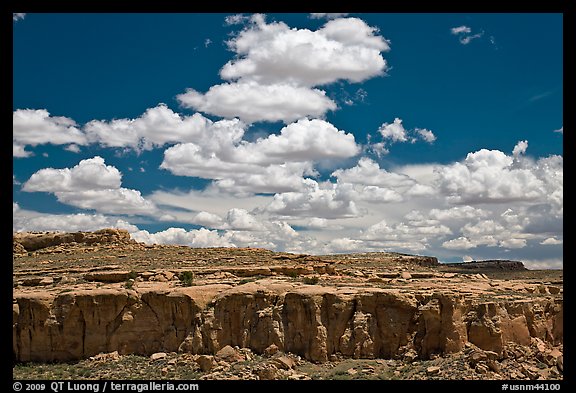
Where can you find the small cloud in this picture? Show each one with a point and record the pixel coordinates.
(520, 148)
(427, 135)
(142, 170)
(14, 180)
(207, 42)
(466, 40)
(460, 30)
(361, 95)
(493, 42)
(540, 96)
(551, 241)
(467, 258)
(74, 148)
(560, 130)
(379, 149)
(44, 154)
(465, 34)
(321, 15)
(16, 16)
(235, 19)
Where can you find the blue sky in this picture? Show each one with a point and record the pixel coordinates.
(437, 134)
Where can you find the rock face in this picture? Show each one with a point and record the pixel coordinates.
(490, 265)
(26, 242)
(311, 321)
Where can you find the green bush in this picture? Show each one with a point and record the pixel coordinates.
(311, 280)
(187, 278)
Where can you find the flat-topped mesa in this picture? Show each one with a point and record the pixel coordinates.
(85, 293)
(32, 241)
(496, 264)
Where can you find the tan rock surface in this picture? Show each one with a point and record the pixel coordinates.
(103, 298)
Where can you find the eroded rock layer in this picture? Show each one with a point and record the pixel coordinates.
(76, 295)
(309, 320)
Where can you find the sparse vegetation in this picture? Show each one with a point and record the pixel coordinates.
(311, 280)
(187, 278)
(129, 284)
(132, 275)
(126, 367)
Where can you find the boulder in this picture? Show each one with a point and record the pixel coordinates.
(229, 354)
(206, 362)
(158, 356)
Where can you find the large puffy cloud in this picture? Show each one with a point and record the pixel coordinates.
(305, 140)
(190, 160)
(486, 233)
(467, 205)
(367, 181)
(413, 236)
(251, 101)
(32, 127)
(195, 238)
(368, 172)
(156, 127)
(242, 229)
(346, 49)
(27, 220)
(90, 185)
(315, 200)
(159, 126)
(276, 163)
(276, 68)
(491, 176)
(90, 174)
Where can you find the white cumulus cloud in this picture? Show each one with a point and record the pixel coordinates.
(395, 132)
(551, 241)
(273, 164)
(194, 238)
(315, 200)
(252, 102)
(32, 127)
(26, 220)
(491, 176)
(345, 49)
(90, 185)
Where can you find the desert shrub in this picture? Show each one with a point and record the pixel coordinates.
(311, 280)
(187, 278)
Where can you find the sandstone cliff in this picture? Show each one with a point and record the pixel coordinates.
(308, 320)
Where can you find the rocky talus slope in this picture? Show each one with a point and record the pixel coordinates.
(83, 294)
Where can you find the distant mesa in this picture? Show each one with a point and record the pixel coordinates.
(490, 264)
(24, 242)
